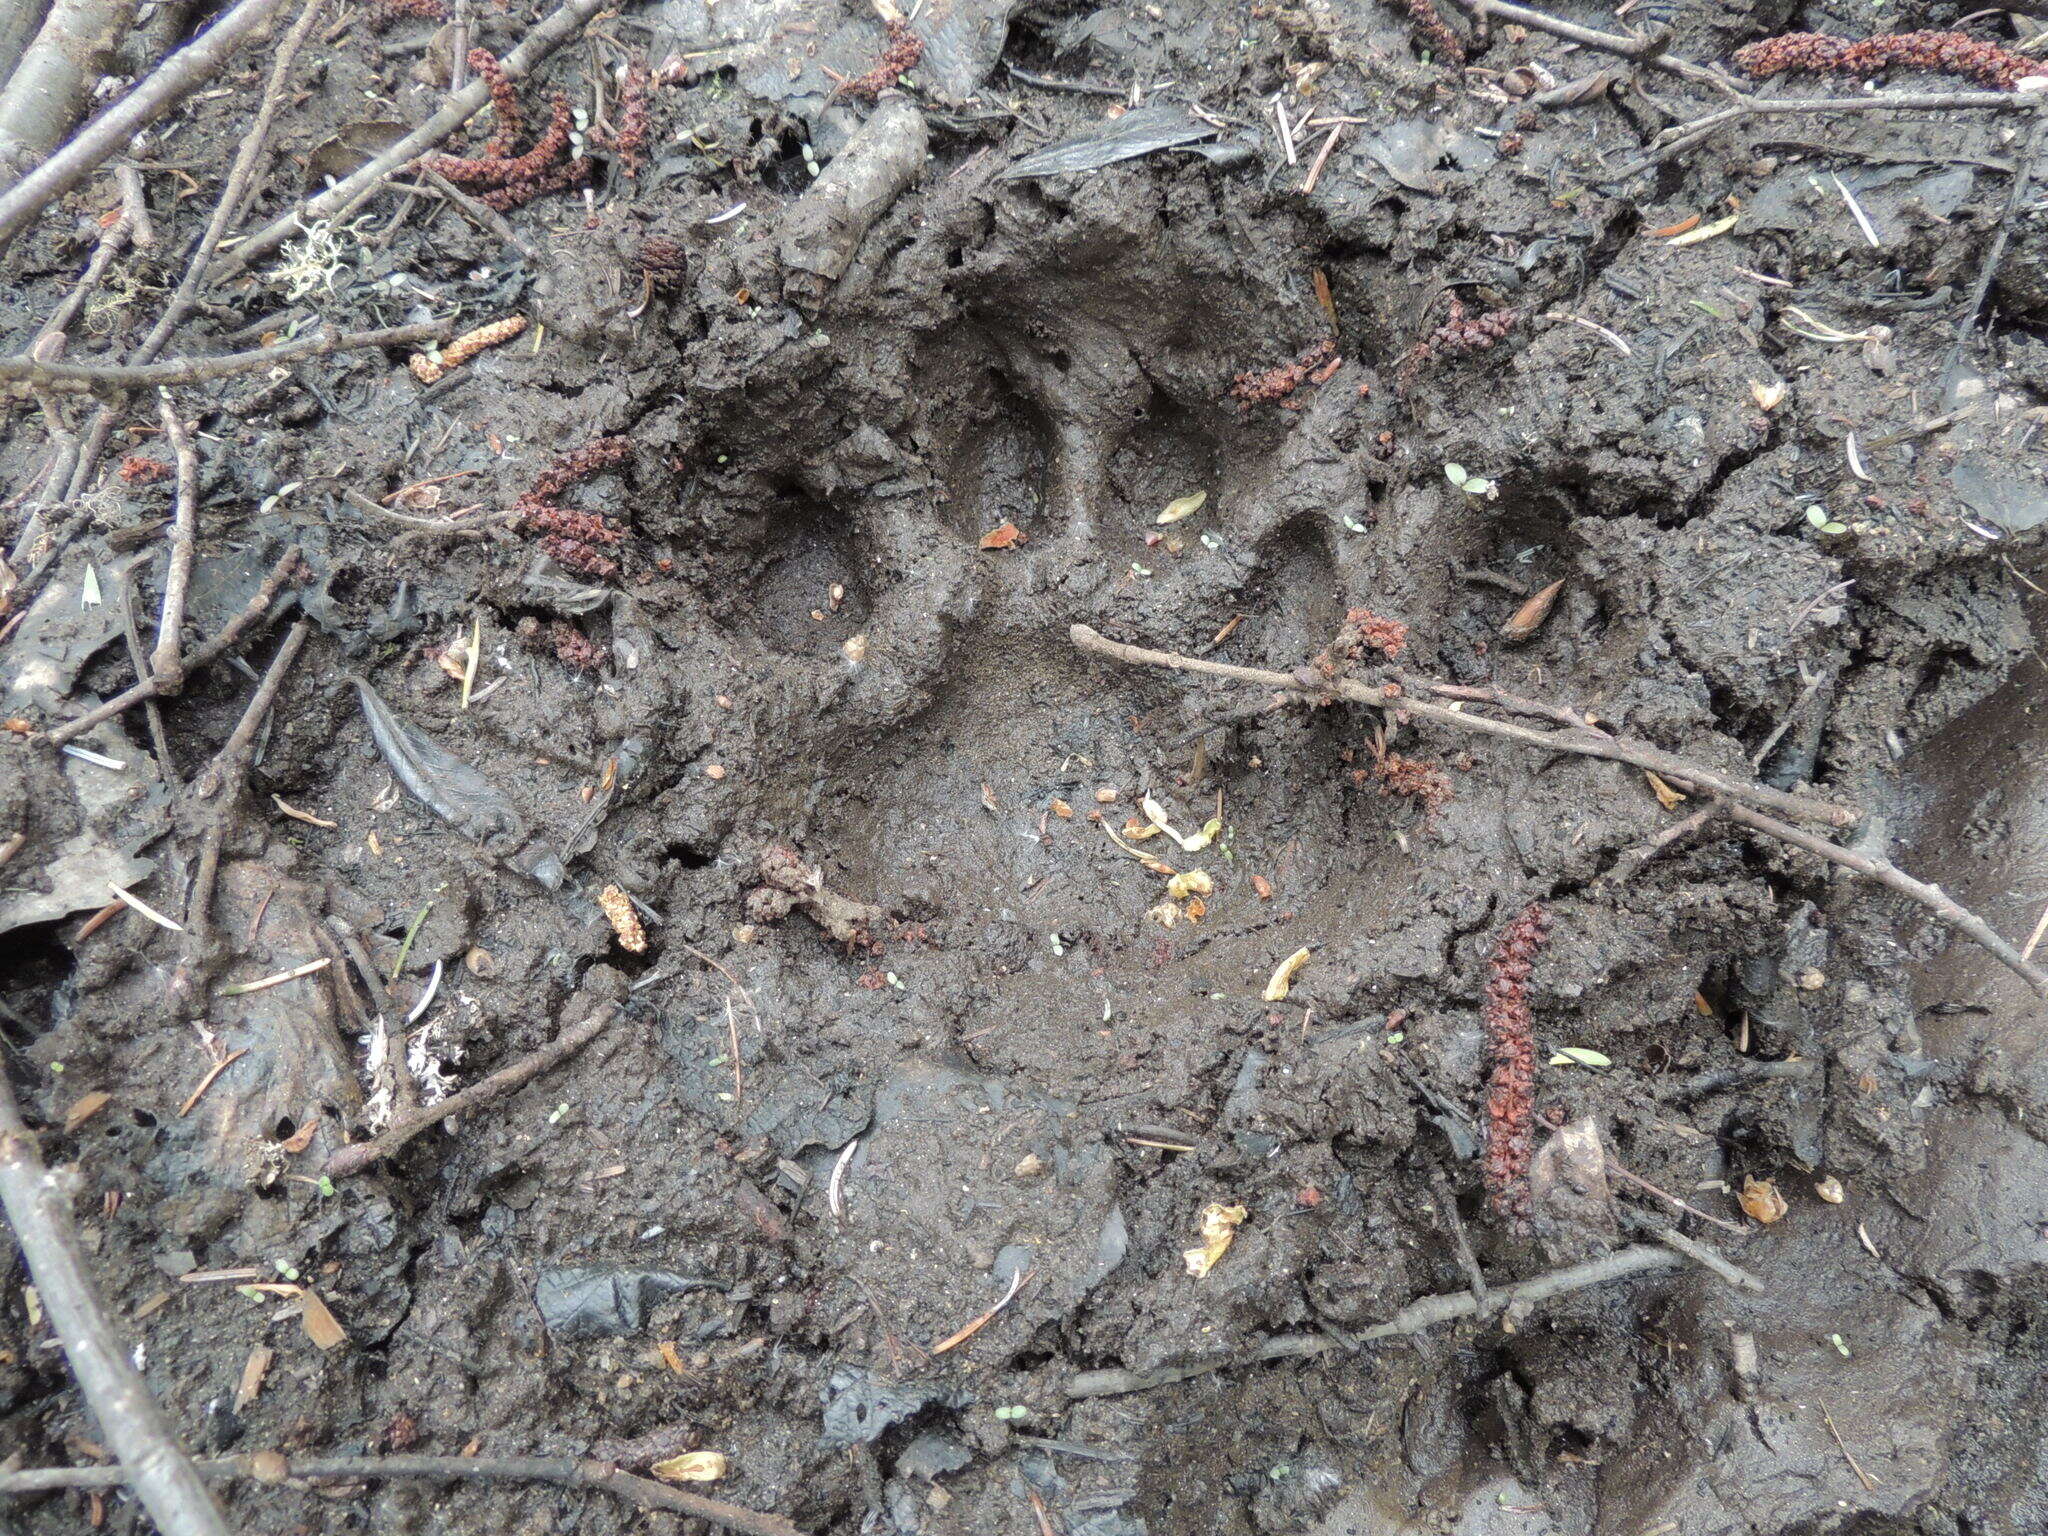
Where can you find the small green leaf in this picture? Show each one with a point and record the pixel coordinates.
(1836, 1340)
(1397, 1037)
(1833, 527)
(1353, 523)
(326, 1187)
(1817, 516)
(1578, 1055)
(1478, 487)
(1455, 473)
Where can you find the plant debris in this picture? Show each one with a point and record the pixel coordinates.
(1511, 1043)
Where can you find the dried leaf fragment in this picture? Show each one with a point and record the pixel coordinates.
(1283, 976)
(1263, 886)
(691, 1467)
(1219, 1231)
(1760, 1200)
(319, 1323)
(1527, 619)
(1009, 536)
(1830, 1189)
(1681, 227)
(618, 908)
(87, 1106)
(1767, 396)
(1189, 884)
(1182, 506)
(1667, 797)
(1061, 809)
(1706, 231)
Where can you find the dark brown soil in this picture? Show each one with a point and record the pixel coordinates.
(808, 658)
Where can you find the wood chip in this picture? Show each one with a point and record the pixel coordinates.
(319, 1323)
(264, 983)
(254, 1369)
(1009, 536)
(154, 1305)
(86, 1107)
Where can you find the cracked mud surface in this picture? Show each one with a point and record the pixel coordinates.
(808, 650)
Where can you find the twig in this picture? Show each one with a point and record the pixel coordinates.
(1315, 171)
(192, 1099)
(541, 41)
(151, 687)
(1671, 1199)
(482, 215)
(232, 759)
(1447, 1202)
(167, 661)
(564, 1471)
(140, 659)
(1813, 681)
(354, 1159)
(1631, 863)
(1886, 873)
(38, 1204)
(2022, 177)
(1411, 1319)
(21, 377)
(1870, 1484)
(128, 227)
(1577, 736)
(955, 1340)
(238, 189)
(731, 980)
(197, 63)
(1703, 1255)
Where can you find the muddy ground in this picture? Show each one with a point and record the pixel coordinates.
(1014, 1065)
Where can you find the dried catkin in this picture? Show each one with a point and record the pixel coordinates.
(1511, 1042)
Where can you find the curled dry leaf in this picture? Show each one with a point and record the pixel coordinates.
(1667, 797)
(1761, 1201)
(1283, 976)
(1009, 536)
(1219, 1230)
(1184, 506)
(1523, 623)
(691, 1467)
(1189, 884)
(1830, 1189)
(1166, 914)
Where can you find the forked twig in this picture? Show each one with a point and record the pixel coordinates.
(1576, 735)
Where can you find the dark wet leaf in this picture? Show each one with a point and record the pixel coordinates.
(1124, 138)
(932, 1455)
(599, 1301)
(350, 150)
(858, 1408)
(1409, 151)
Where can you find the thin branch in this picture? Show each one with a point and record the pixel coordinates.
(355, 1158)
(1886, 873)
(232, 761)
(198, 63)
(1577, 738)
(21, 377)
(140, 659)
(51, 84)
(1703, 1254)
(2022, 177)
(167, 661)
(565, 1471)
(1411, 1319)
(1631, 863)
(38, 1204)
(1670, 1199)
(151, 687)
(543, 40)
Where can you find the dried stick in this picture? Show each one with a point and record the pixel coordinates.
(1703, 1255)
(1576, 737)
(1886, 873)
(2022, 177)
(53, 82)
(1647, 1187)
(21, 377)
(565, 1471)
(132, 225)
(1411, 1319)
(232, 760)
(1630, 864)
(38, 1204)
(236, 193)
(354, 1159)
(167, 661)
(200, 61)
(140, 660)
(152, 687)
(543, 40)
